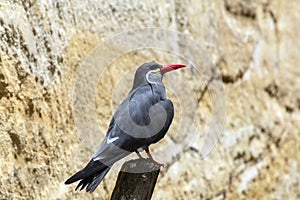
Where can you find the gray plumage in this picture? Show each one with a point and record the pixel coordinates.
(142, 119)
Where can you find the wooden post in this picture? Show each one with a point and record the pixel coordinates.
(136, 180)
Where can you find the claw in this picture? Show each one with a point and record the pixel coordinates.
(138, 153)
(152, 159)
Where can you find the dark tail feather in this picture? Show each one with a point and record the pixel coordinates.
(90, 176)
(96, 181)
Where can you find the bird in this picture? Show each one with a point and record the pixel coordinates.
(142, 119)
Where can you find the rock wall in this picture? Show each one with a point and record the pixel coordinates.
(254, 44)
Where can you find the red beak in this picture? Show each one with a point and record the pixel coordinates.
(171, 67)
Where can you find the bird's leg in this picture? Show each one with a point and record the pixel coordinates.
(151, 158)
(138, 153)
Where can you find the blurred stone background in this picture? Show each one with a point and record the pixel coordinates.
(254, 43)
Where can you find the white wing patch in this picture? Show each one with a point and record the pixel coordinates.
(111, 140)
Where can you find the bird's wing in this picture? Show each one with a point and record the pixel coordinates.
(169, 108)
(141, 116)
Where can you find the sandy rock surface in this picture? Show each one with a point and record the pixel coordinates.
(254, 44)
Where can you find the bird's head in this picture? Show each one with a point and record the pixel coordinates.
(152, 72)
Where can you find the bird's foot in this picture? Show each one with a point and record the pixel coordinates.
(152, 159)
(138, 153)
(155, 162)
